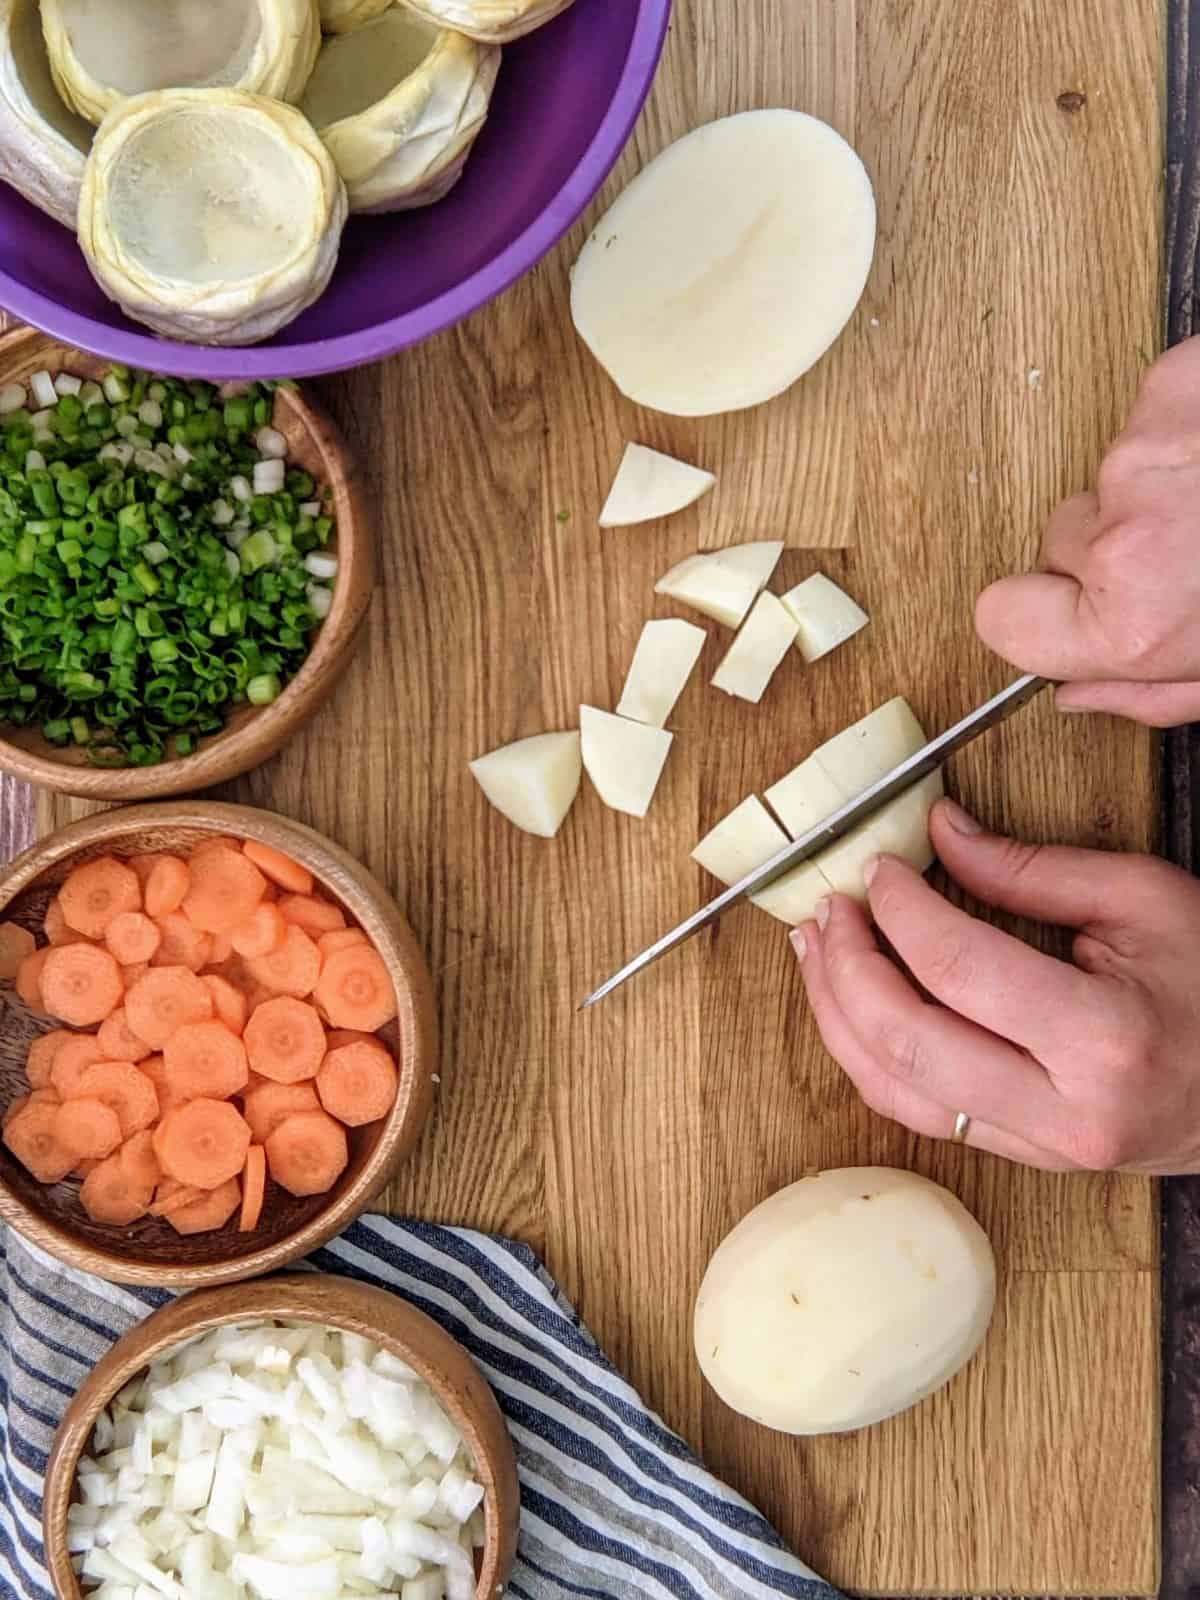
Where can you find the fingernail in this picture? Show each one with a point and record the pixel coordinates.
(869, 871)
(961, 821)
(823, 909)
(799, 943)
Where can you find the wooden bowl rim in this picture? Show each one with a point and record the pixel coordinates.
(296, 1297)
(231, 752)
(391, 935)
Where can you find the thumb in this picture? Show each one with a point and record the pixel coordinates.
(1043, 622)
(1060, 884)
(1157, 705)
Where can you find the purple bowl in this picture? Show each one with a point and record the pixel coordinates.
(566, 102)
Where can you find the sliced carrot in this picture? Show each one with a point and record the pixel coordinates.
(133, 936)
(139, 1161)
(340, 939)
(202, 1143)
(84, 1167)
(222, 949)
(29, 978)
(337, 1037)
(254, 1185)
(210, 1213)
(229, 1003)
(142, 866)
(285, 1040)
(263, 931)
(182, 944)
(307, 1153)
(171, 1196)
(92, 895)
(15, 944)
(214, 841)
(293, 969)
(313, 914)
(281, 869)
(134, 971)
(118, 1041)
(81, 983)
(166, 886)
(87, 1128)
(155, 1068)
(32, 1138)
(355, 990)
(54, 926)
(71, 1061)
(129, 1092)
(165, 999)
(41, 1056)
(205, 1061)
(357, 1082)
(108, 1195)
(266, 1107)
(16, 1108)
(225, 888)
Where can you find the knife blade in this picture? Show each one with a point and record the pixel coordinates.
(917, 766)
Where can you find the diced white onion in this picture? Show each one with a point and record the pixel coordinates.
(320, 599)
(150, 461)
(44, 392)
(67, 383)
(43, 425)
(156, 552)
(310, 508)
(270, 442)
(320, 565)
(222, 513)
(233, 565)
(150, 413)
(240, 489)
(35, 461)
(268, 476)
(182, 454)
(12, 398)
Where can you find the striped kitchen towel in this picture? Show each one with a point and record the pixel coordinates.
(613, 1504)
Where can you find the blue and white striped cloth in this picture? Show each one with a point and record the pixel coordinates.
(613, 1505)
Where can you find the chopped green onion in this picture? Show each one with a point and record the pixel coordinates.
(262, 690)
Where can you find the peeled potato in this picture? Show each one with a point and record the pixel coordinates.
(825, 616)
(729, 265)
(399, 104)
(649, 485)
(534, 781)
(740, 842)
(751, 661)
(623, 759)
(43, 144)
(723, 584)
(662, 664)
(844, 1299)
(103, 51)
(209, 214)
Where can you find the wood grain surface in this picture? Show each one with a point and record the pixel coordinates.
(1013, 303)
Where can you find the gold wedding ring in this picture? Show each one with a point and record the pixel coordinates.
(961, 1124)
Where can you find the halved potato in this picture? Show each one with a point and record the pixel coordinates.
(740, 842)
(341, 16)
(399, 103)
(43, 144)
(209, 214)
(103, 51)
(533, 782)
(492, 21)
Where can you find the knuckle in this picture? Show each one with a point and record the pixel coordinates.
(902, 1054)
(949, 969)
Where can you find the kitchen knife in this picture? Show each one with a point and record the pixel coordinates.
(917, 766)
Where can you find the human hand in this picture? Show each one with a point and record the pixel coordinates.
(1115, 615)
(1092, 1066)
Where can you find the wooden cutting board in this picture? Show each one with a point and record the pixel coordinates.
(1015, 299)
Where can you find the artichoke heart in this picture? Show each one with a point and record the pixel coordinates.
(209, 214)
(340, 16)
(491, 21)
(399, 103)
(103, 51)
(43, 145)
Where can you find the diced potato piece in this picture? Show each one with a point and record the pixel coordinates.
(623, 759)
(534, 781)
(805, 797)
(825, 616)
(740, 842)
(901, 829)
(754, 655)
(662, 664)
(794, 898)
(868, 750)
(650, 485)
(724, 583)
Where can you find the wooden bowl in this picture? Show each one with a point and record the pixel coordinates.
(150, 1252)
(253, 732)
(332, 1302)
